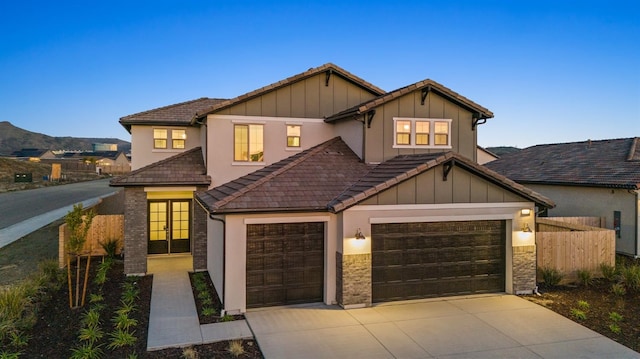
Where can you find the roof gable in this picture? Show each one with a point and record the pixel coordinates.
(176, 114)
(426, 86)
(607, 163)
(328, 68)
(186, 168)
(393, 172)
(306, 181)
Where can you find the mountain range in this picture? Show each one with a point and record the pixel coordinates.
(13, 138)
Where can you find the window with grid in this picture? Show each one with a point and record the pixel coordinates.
(293, 135)
(422, 133)
(178, 138)
(159, 138)
(248, 143)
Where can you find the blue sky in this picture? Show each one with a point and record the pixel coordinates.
(551, 71)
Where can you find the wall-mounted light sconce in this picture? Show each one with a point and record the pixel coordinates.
(526, 228)
(359, 234)
(525, 212)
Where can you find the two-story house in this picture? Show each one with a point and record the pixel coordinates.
(324, 188)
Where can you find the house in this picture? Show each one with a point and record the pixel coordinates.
(485, 156)
(588, 178)
(33, 154)
(325, 188)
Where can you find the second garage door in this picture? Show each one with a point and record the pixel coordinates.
(285, 263)
(421, 260)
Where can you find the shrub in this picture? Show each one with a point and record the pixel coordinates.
(615, 328)
(86, 351)
(121, 338)
(614, 316)
(578, 314)
(91, 318)
(207, 311)
(584, 277)
(583, 305)
(227, 318)
(551, 276)
(91, 334)
(236, 348)
(618, 290)
(189, 353)
(123, 322)
(630, 277)
(609, 272)
(7, 355)
(110, 247)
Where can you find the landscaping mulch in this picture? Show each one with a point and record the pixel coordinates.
(601, 302)
(55, 333)
(216, 302)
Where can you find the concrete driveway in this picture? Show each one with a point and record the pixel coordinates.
(496, 326)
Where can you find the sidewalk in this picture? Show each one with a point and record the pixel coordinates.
(14, 232)
(173, 318)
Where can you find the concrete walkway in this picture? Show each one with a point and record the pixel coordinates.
(496, 326)
(173, 318)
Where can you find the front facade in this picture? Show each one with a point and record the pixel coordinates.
(324, 188)
(588, 178)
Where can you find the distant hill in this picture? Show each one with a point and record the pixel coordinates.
(13, 138)
(502, 150)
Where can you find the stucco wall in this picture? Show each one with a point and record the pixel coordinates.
(574, 201)
(142, 151)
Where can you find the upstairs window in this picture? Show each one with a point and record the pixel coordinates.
(248, 143)
(422, 133)
(293, 135)
(178, 138)
(403, 132)
(159, 138)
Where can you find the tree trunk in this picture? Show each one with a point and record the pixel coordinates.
(69, 280)
(86, 278)
(77, 280)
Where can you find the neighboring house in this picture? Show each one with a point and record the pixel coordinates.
(324, 188)
(33, 154)
(485, 156)
(105, 161)
(589, 178)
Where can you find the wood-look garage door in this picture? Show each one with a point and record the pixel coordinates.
(285, 263)
(421, 260)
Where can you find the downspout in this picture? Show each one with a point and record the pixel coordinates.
(224, 260)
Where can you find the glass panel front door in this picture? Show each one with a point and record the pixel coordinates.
(169, 226)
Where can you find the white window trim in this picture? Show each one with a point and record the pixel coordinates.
(413, 121)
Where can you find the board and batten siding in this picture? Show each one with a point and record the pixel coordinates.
(309, 98)
(380, 136)
(461, 186)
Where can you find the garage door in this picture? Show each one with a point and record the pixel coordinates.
(285, 263)
(421, 260)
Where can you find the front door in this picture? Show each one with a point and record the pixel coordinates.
(169, 226)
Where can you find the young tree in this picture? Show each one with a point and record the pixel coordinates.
(78, 224)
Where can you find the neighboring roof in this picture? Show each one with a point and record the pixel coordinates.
(177, 114)
(611, 163)
(428, 85)
(403, 167)
(334, 69)
(29, 152)
(98, 154)
(330, 177)
(186, 168)
(306, 181)
(487, 151)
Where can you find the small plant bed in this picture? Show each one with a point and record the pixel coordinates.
(207, 301)
(609, 305)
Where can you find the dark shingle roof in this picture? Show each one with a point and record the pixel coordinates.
(328, 67)
(306, 181)
(177, 114)
(428, 85)
(403, 167)
(607, 163)
(186, 168)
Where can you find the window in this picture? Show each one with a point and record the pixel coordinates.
(293, 135)
(403, 132)
(422, 133)
(178, 138)
(159, 138)
(248, 143)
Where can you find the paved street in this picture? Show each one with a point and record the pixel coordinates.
(19, 206)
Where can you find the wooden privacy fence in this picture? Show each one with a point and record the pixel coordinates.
(569, 247)
(103, 228)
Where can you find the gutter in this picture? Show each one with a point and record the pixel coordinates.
(224, 254)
